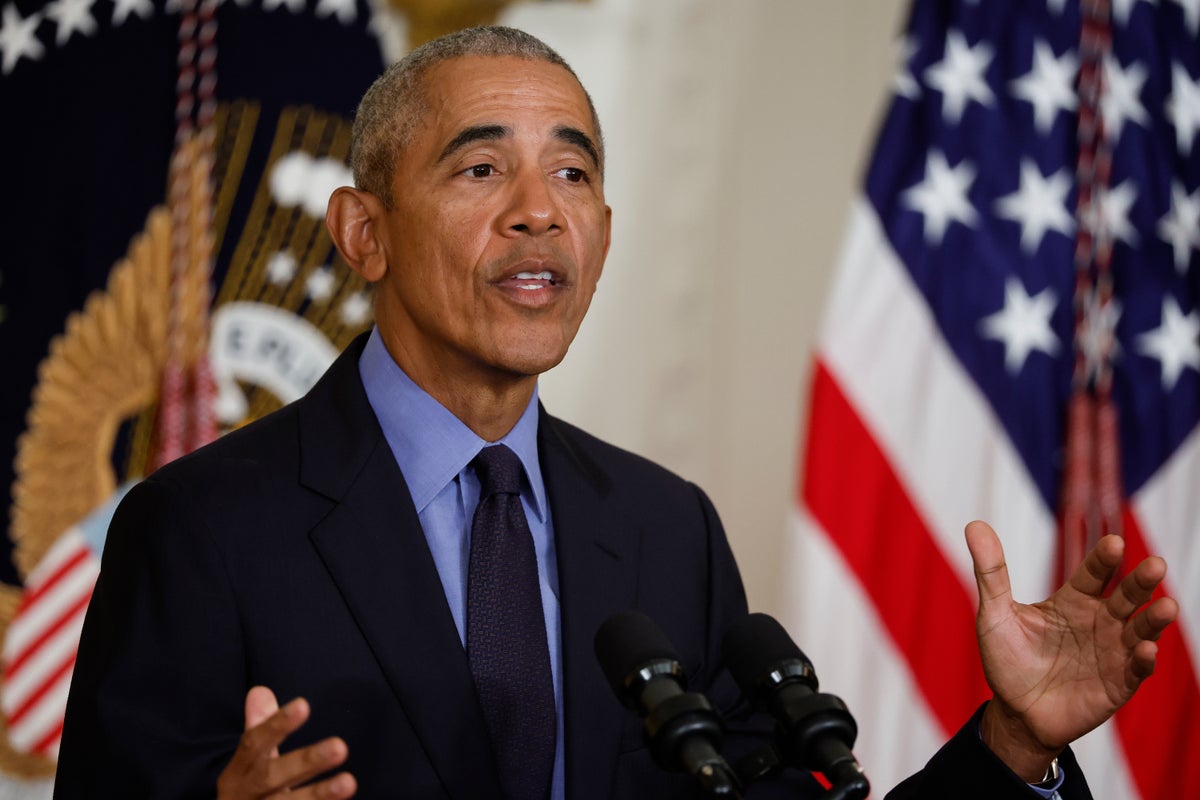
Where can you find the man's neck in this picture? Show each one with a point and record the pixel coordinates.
(487, 401)
(491, 412)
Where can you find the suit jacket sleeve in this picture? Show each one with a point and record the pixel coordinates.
(965, 767)
(151, 712)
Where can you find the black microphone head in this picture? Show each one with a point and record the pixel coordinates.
(625, 644)
(759, 653)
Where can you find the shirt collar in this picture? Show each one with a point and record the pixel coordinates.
(430, 444)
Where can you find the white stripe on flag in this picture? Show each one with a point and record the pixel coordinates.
(43, 717)
(60, 647)
(855, 659)
(928, 417)
(75, 584)
(1105, 768)
(62, 551)
(1168, 507)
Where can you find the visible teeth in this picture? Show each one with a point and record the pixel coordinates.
(544, 275)
(529, 287)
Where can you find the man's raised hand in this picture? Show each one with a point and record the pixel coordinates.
(1062, 667)
(257, 770)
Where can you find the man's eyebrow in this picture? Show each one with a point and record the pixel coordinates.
(475, 133)
(576, 137)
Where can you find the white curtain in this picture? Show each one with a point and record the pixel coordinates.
(736, 135)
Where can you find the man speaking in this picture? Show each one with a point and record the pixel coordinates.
(416, 556)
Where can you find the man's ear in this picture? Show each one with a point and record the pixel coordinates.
(607, 229)
(354, 219)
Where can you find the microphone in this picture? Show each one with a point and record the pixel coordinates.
(814, 731)
(682, 729)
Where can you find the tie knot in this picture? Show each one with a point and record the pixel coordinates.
(499, 471)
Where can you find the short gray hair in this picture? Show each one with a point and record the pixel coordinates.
(395, 104)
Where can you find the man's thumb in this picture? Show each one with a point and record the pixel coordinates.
(260, 704)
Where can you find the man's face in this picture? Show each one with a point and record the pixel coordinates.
(499, 229)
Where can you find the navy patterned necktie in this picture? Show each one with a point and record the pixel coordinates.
(506, 631)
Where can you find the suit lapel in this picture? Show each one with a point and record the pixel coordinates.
(597, 575)
(374, 548)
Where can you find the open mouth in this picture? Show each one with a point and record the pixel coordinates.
(531, 281)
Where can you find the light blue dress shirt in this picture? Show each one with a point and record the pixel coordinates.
(434, 450)
(1052, 792)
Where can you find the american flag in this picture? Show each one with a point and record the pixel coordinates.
(40, 644)
(1019, 247)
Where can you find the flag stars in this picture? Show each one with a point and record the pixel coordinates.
(1049, 86)
(71, 16)
(320, 285)
(1182, 107)
(1098, 338)
(1180, 228)
(281, 268)
(295, 6)
(1038, 206)
(344, 10)
(942, 196)
(1174, 343)
(903, 83)
(123, 9)
(1023, 325)
(1113, 205)
(1191, 14)
(355, 309)
(1121, 9)
(18, 38)
(959, 76)
(1109, 213)
(1119, 102)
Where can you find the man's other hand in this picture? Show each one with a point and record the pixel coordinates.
(257, 770)
(1062, 667)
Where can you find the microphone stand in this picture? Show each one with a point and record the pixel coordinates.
(822, 731)
(814, 731)
(684, 729)
(765, 763)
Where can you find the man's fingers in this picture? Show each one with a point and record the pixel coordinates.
(263, 740)
(1134, 591)
(991, 572)
(1150, 623)
(1098, 566)
(294, 768)
(1141, 664)
(258, 771)
(260, 704)
(338, 787)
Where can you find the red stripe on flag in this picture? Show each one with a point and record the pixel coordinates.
(45, 686)
(853, 492)
(31, 596)
(42, 746)
(1158, 728)
(19, 659)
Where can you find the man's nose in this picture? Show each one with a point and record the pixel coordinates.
(534, 207)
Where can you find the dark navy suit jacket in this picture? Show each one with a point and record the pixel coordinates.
(289, 554)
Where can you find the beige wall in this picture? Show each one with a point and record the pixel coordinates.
(737, 133)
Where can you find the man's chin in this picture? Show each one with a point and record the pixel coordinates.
(526, 362)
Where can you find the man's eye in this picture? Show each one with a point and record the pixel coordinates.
(480, 171)
(572, 174)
